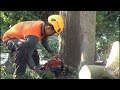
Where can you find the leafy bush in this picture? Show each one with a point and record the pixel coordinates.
(53, 45)
(107, 30)
(4, 75)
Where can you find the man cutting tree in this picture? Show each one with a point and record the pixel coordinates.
(22, 38)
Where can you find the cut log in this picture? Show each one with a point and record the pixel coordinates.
(110, 71)
(91, 72)
(112, 75)
(113, 64)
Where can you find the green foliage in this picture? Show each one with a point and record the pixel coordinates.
(9, 18)
(29, 74)
(4, 75)
(53, 43)
(107, 30)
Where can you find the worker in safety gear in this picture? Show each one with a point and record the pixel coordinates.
(22, 38)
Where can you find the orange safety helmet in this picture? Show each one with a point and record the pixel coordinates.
(57, 22)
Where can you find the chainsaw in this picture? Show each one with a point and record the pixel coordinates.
(54, 65)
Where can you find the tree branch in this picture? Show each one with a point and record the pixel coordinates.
(108, 17)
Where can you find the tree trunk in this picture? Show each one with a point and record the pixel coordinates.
(70, 39)
(77, 42)
(119, 22)
(87, 24)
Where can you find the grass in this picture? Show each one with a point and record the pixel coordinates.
(29, 74)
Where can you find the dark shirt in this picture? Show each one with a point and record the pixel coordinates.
(33, 40)
(45, 44)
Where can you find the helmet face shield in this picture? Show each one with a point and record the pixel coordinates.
(57, 23)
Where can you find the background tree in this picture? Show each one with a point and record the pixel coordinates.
(107, 31)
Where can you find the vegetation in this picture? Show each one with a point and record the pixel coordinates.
(107, 31)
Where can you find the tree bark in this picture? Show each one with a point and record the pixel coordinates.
(70, 39)
(77, 41)
(87, 24)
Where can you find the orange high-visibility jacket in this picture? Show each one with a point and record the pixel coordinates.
(23, 29)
